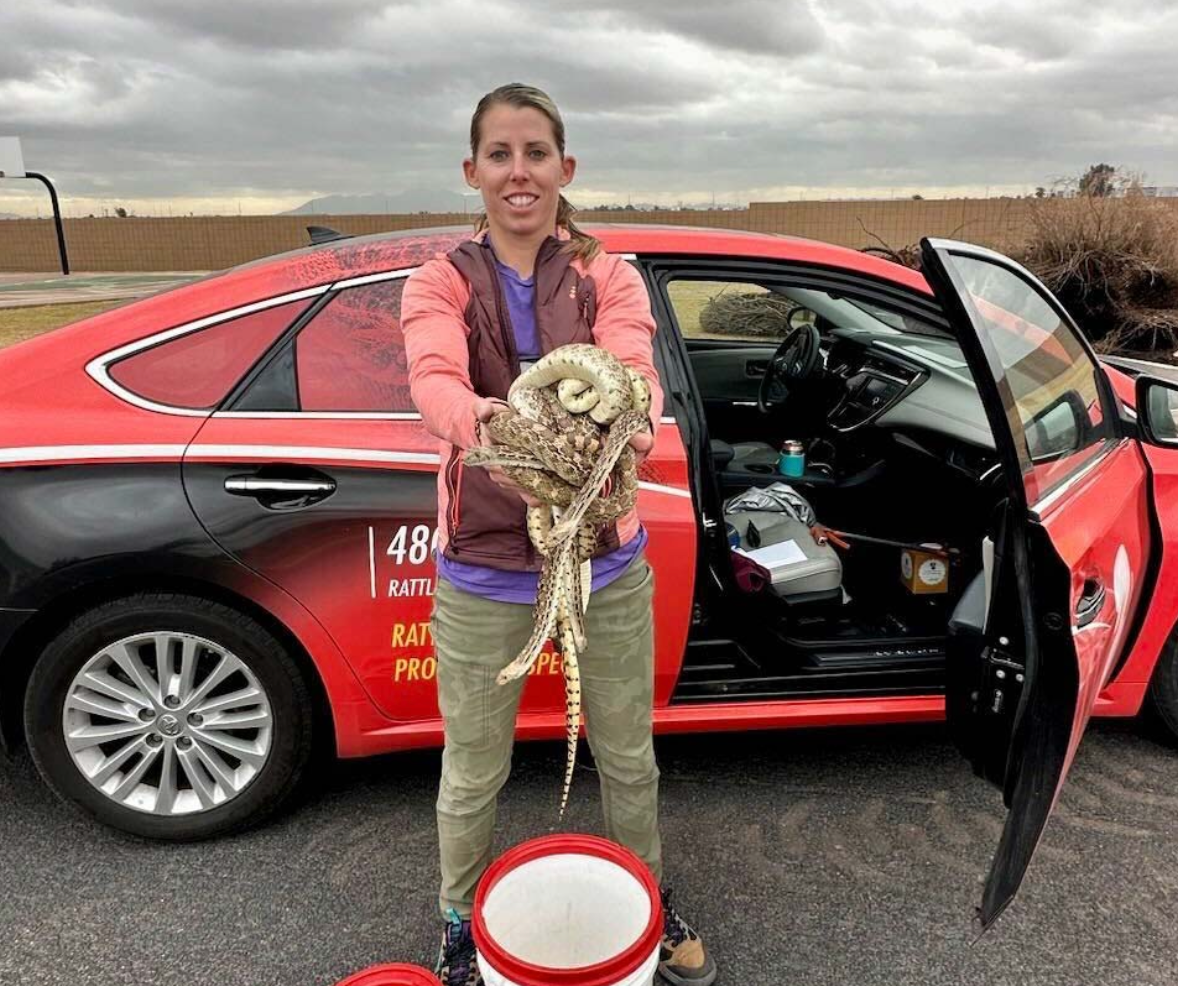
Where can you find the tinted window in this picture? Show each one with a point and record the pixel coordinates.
(351, 355)
(1052, 379)
(197, 370)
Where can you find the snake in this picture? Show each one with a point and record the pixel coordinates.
(564, 438)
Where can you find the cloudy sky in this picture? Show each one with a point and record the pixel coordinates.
(259, 105)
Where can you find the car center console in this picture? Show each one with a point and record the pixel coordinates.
(741, 466)
(873, 384)
(867, 384)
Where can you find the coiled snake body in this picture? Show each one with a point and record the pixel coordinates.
(567, 431)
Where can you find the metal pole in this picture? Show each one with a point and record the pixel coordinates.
(935, 549)
(65, 264)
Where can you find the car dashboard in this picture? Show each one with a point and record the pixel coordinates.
(906, 383)
(872, 384)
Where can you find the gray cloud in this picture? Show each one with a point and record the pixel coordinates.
(256, 24)
(292, 98)
(774, 27)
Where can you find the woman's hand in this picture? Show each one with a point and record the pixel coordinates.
(485, 409)
(641, 443)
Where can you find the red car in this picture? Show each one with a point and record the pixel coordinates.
(217, 510)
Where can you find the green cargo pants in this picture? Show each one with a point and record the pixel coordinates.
(474, 639)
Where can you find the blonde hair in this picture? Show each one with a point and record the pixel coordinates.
(581, 244)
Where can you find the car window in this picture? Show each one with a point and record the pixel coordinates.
(351, 355)
(749, 312)
(734, 310)
(1052, 379)
(196, 370)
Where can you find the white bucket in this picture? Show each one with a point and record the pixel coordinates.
(568, 911)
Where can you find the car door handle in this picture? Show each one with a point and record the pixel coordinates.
(253, 485)
(1091, 603)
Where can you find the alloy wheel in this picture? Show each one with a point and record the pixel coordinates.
(167, 723)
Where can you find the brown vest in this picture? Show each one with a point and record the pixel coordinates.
(485, 524)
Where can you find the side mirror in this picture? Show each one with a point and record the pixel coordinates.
(1157, 410)
(1059, 429)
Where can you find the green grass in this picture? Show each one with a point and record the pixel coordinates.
(18, 324)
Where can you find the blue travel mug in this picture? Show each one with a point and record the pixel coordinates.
(792, 460)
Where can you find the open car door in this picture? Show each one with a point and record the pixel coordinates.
(1071, 543)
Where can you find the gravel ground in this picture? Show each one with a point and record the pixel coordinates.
(825, 857)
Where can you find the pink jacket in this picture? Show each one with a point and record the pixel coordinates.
(435, 330)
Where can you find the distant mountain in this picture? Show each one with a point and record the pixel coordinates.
(409, 201)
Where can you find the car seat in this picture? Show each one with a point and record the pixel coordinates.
(757, 457)
(802, 570)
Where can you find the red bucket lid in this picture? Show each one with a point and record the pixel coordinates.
(394, 974)
(612, 970)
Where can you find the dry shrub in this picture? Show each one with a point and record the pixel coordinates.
(746, 314)
(1113, 262)
(906, 256)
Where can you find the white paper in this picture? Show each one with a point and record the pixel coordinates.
(773, 556)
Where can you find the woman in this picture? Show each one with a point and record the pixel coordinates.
(528, 265)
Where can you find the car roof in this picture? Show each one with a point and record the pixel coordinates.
(377, 252)
(358, 256)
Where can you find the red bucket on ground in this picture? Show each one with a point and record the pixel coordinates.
(395, 974)
(568, 910)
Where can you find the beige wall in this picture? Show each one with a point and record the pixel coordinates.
(212, 243)
(181, 243)
(989, 222)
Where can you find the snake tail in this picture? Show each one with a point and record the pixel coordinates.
(572, 694)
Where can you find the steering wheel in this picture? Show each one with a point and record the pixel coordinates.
(794, 361)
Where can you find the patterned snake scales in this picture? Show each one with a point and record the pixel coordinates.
(571, 418)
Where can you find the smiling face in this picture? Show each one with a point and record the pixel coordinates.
(520, 171)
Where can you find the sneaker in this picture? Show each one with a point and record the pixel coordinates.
(456, 960)
(683, 961)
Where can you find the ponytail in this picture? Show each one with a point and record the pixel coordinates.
(581, 245)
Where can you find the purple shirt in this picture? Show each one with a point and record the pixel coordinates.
(520, 293)
(521, 587)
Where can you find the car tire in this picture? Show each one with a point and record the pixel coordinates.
(94, 648)
(1163, 690)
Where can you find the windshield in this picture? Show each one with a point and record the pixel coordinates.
(743, 310)
(906, 324)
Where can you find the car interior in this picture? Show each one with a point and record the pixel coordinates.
(856, 594)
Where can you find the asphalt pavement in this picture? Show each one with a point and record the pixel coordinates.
(840, 857)
(24, 290)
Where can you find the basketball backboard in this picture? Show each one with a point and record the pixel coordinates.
(12, 162)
